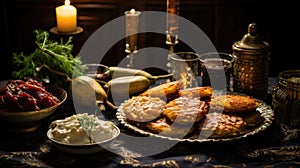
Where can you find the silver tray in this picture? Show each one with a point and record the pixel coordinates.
(264, 109)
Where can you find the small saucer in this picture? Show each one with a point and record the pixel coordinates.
(77, 31)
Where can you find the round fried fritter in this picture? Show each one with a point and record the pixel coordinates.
(164, 127)
(159, 125)
(222, 125)
(233, 103)
(143, 108)
(202, 92)
(185, 110)
(165, 91)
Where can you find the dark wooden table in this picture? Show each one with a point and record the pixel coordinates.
(277, 146)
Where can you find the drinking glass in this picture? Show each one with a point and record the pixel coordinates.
(185, 67)
(216, 69)
(99, 72)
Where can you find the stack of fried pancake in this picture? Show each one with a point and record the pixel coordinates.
(190, 111)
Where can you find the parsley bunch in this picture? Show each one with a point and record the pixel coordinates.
(56, 55)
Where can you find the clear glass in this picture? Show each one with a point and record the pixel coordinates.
(216, 70)
(98, 72)
(185, 67)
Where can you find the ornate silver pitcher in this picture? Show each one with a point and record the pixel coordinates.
(251, 63)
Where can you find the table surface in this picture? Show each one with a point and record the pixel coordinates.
(277, 146)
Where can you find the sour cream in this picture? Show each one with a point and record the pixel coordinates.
(82, 129)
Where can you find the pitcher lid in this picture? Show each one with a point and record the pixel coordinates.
(251, 40)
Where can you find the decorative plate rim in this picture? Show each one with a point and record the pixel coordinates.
(265, 110)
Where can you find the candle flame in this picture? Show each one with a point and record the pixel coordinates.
(67, 2)
(132, 11)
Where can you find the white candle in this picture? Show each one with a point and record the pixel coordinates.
(66, 17)
(132, 22)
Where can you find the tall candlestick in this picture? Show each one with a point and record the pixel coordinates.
(172, 27)
(172, 22)
(132, 22)
(66, 17)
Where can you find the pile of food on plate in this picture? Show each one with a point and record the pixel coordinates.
(25, 95)
(171, 111)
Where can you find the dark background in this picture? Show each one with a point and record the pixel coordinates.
(225, 22)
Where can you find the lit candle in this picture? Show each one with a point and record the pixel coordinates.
(66, 17)
(132, 22)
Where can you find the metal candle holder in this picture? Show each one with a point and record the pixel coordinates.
(172, 26)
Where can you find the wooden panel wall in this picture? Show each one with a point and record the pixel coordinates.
(224, 22)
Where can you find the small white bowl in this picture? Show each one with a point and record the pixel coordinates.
(84, 148)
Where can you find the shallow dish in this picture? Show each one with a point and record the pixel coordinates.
(84, 148)
(31, 116)
(30, 120)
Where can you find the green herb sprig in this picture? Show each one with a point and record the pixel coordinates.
(57, 55)
(88, 123)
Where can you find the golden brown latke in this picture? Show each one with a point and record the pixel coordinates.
(164, 127)
(165, 91)
(202, 92)
(143, 108)
(222, 125)
(185, 110)
(233, 103)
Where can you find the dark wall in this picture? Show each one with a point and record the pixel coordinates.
(224, 22)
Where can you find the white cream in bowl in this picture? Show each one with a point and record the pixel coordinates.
(82, 129)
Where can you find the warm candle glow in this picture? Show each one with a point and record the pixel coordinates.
(132, 11)
(67, 2)
(66, 17)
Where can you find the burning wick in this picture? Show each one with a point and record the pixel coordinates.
(132, 11)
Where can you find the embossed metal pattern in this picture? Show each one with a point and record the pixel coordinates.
(286, 98)
(250, 70)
